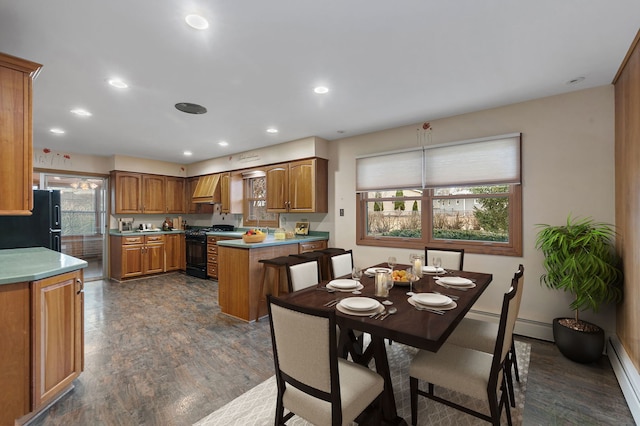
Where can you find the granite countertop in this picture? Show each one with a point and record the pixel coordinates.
(35, 263)
(136, 232)
(269, 241)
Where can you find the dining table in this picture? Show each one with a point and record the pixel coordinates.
(418, 328)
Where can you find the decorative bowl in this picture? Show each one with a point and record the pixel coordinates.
(256, 238)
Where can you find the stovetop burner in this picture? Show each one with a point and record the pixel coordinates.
(222, 228)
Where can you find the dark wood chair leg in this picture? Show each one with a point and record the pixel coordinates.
(413, 392)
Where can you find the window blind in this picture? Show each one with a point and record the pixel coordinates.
(486, 161)
(391, 170)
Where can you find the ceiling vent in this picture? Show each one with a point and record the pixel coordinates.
(191, 108)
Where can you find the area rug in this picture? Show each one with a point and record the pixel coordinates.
(256, 407)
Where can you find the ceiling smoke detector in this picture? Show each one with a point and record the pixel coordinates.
(191, 108)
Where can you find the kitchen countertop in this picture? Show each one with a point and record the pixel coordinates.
(237, 242)
(133, 233)
(35, 263)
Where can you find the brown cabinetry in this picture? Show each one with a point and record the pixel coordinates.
(42, 328)
(133, 193)
(298, 186)
(57, 310)
(212, 255)
(137, 255)
(230, 193)
(174, 248)
(16, 145)
(207, 189)
(312, 246)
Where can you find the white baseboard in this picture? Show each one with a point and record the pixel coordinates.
(627, 375)
(524, 327)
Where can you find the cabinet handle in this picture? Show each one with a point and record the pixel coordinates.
(79, 285)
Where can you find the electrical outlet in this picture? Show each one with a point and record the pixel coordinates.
(341, 212)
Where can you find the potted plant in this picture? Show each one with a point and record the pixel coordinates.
(580, 258)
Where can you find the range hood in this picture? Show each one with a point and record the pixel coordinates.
(207, 190)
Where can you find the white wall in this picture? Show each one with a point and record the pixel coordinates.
(568, 167)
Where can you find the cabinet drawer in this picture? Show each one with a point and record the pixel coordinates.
(155, 238)
(212, 240)
(212, 249)
(311, 246)
(132, 240)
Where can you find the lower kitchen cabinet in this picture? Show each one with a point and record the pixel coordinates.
(174, 248)
(43, 324)
(136, 256)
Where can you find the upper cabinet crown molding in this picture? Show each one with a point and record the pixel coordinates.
(16, 138)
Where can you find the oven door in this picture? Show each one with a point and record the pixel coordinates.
(196, 257)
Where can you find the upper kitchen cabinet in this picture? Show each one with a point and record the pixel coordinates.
(207, 190)
(141, 193)
(16, 144)
(175, 194)
(230, 193)
(298, 186)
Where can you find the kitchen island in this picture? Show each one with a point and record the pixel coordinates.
(240, 272)
(41, 329)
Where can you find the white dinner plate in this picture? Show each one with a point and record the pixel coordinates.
(359, 303)
(359, 313)
(431, 299)
(448, 307)
(455, 281)
(432, 270)
(344, 284)
(460, 286)
(372, 271)
(348, 290)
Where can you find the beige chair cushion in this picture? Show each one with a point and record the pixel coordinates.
(304, 275)
(475, 334)
(453, 367)
(450, 259)
(341, 264)
(358, 387)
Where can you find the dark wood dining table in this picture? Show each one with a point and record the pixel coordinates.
(420, 329)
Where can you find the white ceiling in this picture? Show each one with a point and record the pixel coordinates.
(387, 63)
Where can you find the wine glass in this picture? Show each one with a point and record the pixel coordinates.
(356, 273)
(412, 277)
(391, 261)
(437, 263)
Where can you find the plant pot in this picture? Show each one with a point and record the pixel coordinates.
(579, 346)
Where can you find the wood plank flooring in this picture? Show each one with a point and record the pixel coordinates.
(159, 352)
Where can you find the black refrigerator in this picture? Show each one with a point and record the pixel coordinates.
(41, 229)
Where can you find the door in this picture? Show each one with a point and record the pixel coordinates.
(83, 218)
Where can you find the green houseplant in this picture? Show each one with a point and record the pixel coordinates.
(580, 258)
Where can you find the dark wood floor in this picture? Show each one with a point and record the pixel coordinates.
(159, 352)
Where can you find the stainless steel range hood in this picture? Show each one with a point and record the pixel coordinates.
(207, 190)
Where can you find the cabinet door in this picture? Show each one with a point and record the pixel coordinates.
(174, 252)
(277, 188)
(127, 192)
(16, 164)
(175, 194)
(302, 186)
(225, 192)
(153, 193)
(154, 258)
(132, 265)
(58, 334)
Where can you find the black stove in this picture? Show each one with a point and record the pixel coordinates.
(196, 245)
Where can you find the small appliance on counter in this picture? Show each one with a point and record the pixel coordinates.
(125, 224)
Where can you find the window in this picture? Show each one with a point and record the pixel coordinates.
(255, 202)
(467, 195)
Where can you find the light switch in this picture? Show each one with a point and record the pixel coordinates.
(341, 212)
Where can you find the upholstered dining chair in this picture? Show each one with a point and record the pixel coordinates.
(313, 382)
(451, 258)
(303, 274)
(341, 264)
(468, 371)
(481, 335)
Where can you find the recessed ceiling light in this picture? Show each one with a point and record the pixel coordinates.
(187, 153)
(197, 22)
(321, 90)
(116, 82)
(56, 131)
(223, 143)
(81, 112)
(575, 80)
(272, 130)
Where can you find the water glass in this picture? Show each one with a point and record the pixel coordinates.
(356, 273)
